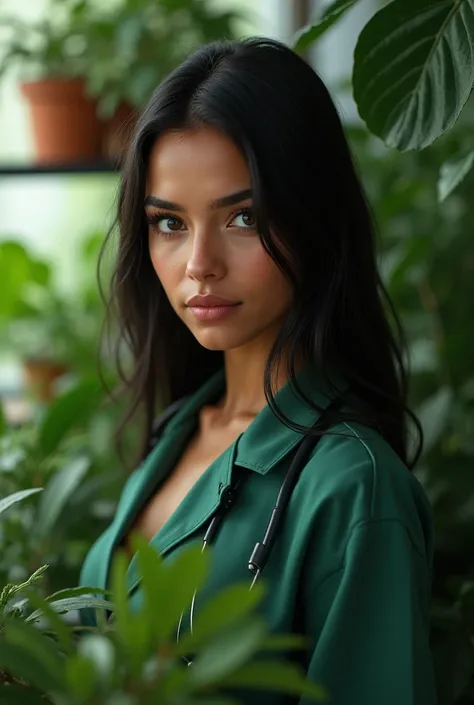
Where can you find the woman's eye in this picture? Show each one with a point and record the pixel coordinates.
(245, 219)
(169, 225)
(166, 224)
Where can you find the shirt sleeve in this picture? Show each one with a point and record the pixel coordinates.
(369, 622)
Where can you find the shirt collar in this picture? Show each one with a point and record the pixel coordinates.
(267, 440)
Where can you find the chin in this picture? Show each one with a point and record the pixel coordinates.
(221, 340)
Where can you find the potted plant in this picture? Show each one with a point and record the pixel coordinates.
(64, 118)
(91, 68)
(53, 333)
(134, 44)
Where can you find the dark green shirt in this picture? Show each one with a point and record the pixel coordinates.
(350, 566)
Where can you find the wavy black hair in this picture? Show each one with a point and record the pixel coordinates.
(313, 219)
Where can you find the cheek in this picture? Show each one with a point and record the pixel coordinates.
(266, 279)
(164, 262)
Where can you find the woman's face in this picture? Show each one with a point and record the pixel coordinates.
(203, 241)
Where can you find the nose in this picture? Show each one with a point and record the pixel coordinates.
(206, 259)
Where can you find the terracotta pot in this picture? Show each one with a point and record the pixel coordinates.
(64, 120)
(117, 132)
(40, 376)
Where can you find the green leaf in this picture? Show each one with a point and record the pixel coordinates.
(18, 269)
(228, 606)
(128, 34)
(57, 625)
(19, 695)
(123, 617)
(275, 675)
(414, 69)
(28, 654)
(174, 586)
(142, 83)
(150, 566)
(81, 676)
(7, 502)
(77, 592)
(57, 493)
(69, 411)
(433, 414)
(305, 36)
(228, 652)
(14, 588)
(75, 603)
(452, 173)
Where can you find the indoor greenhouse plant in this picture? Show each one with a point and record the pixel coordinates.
(89, 68)
(51, 59)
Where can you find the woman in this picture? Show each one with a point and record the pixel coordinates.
(246, 284)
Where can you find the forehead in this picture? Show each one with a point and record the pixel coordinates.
(202, 161)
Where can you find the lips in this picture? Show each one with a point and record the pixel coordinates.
(209, 301)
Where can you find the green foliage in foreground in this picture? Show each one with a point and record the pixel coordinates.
(133, 658)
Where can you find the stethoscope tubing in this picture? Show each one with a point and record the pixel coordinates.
(261, 552)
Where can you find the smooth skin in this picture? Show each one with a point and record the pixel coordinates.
(201, 249)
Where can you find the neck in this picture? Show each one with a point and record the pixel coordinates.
(244, 370)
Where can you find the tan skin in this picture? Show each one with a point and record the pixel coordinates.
(199, 249)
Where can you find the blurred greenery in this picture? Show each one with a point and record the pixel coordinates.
(133, 657)
(38, 321)
(422, 205)
(427, 262)
(122, 50)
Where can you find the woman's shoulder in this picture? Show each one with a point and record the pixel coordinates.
(355, 476)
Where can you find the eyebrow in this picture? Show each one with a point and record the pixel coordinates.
(222, 202)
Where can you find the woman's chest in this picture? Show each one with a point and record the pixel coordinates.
(199, 455)
(243, 526)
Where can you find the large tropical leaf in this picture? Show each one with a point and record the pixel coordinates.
(414, 69)
(453, 172)
(310, 33)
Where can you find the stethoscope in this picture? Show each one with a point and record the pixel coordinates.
(261, 552)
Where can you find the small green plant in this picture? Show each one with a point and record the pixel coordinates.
(46, 48)
(38, 321)
(121, 51)
(67, 452)
(136, 43)
(133, 657)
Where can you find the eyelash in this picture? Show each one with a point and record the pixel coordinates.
(154, 218)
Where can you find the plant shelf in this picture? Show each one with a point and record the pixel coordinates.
(35, 169)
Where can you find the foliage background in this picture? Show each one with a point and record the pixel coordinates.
(427, 261)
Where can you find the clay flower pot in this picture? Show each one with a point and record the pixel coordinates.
(40, 376)
(64, 120)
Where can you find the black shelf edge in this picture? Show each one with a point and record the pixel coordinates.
(35, 169)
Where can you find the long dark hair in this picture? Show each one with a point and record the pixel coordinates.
(313, 220)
